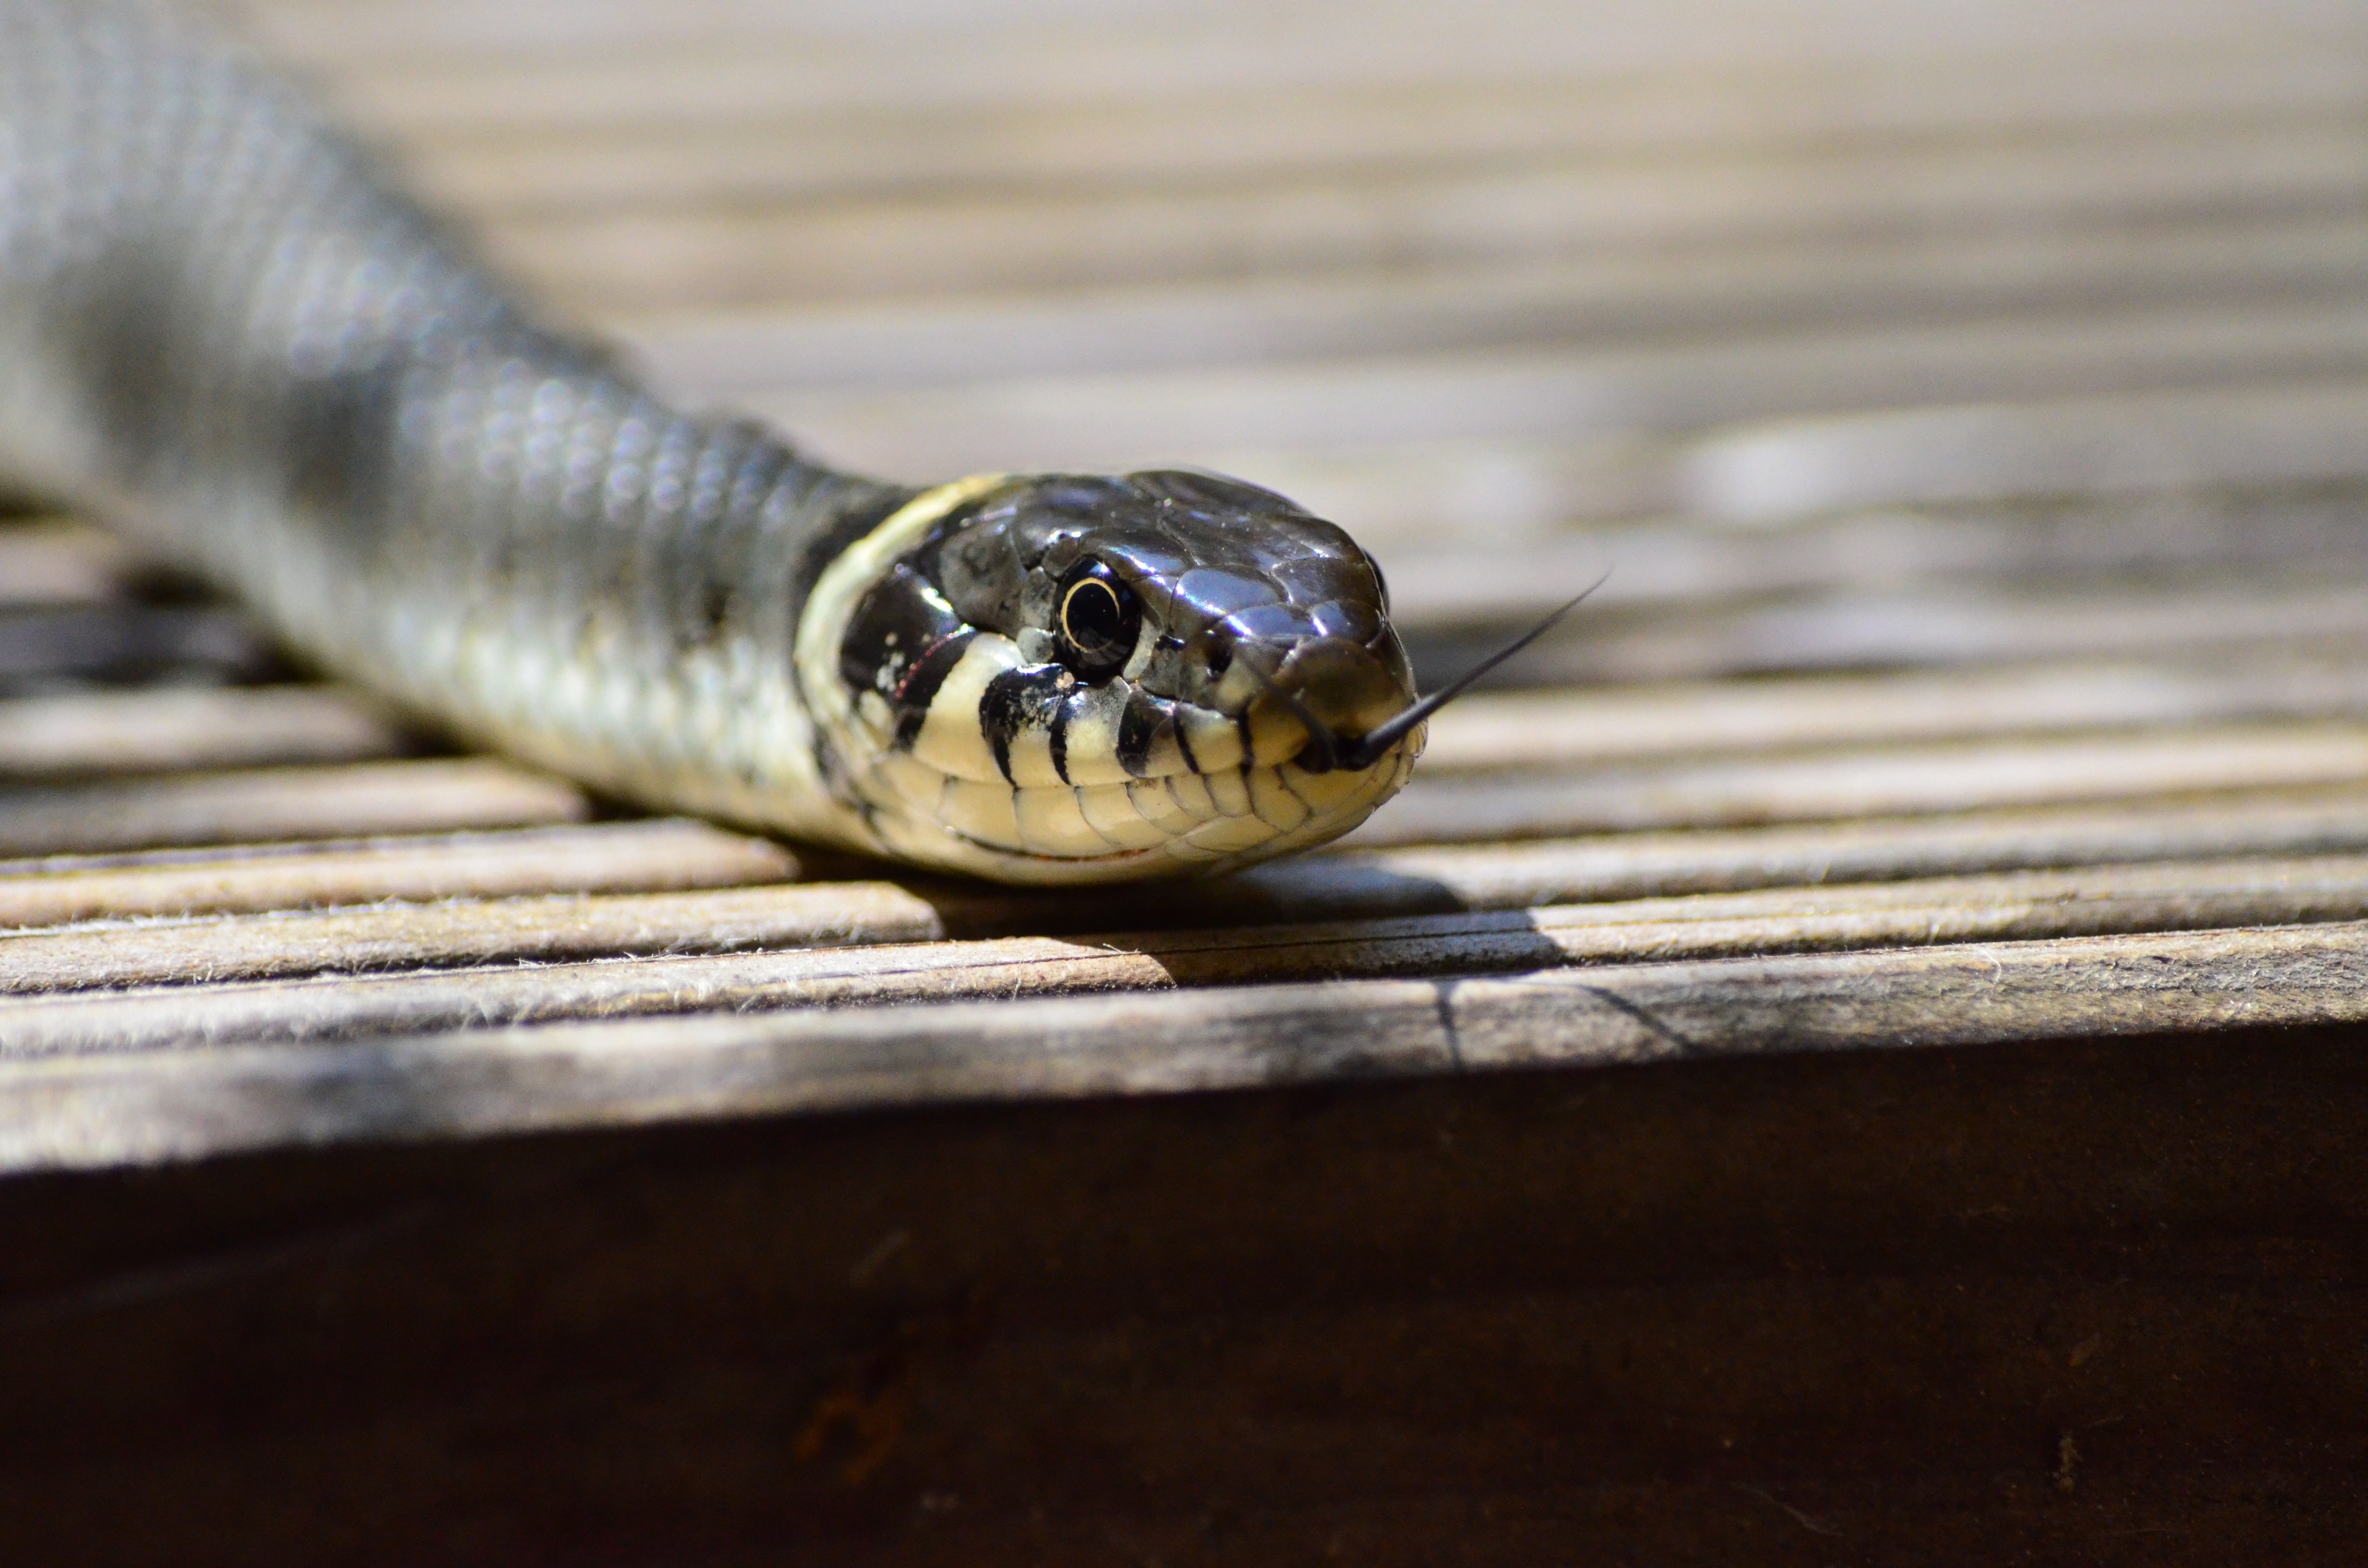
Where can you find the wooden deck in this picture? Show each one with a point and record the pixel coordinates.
(1848, 1055)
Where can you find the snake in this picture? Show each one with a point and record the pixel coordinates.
(225, 331)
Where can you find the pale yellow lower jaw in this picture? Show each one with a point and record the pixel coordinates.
(1189, 820)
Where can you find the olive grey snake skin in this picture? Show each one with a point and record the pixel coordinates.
(222, 331)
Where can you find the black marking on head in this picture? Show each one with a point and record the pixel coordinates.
(859, 509)
(919, 687)
(900, 620)
(901, 642)
(1017, 699)
(1192, 763)
(1139, 728)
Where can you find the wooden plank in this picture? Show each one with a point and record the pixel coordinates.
(1491, 731)
(47, 562)
(57, 1012)
(280, 803)
(752, 65)
(511, 930)
(1641, 865)
(1440, 502)
(629, 856)
(141, 731)
(2017, 564)
(1566, 394)
(1598, 298)
(2265, 616)
(96, 1110)
(704, 151)
(723, 254)
(626, 857)
(1875, 780)
(2167, 441)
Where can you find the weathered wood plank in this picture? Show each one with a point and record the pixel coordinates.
(1876, 780)
(58, 1017)
(176, 728)
(632, 857)
(1549, 729)
(627, 857)
(635, 856)
(347, 801)
(527, 929)
(1569, 393)
(631, 66)
(112, 1110)
(2248, 614)
(55, 563)
(959, 241)
(1641, 865)
(1603, 299)
(1476, 515)
(2166, 441)
(791, 151)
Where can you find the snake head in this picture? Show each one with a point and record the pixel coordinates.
(1069, 677)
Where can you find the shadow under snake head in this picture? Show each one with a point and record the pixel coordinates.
(1069, 679)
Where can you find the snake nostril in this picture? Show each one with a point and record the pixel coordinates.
(1221, 659)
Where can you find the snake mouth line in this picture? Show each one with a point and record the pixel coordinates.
(1189, 821)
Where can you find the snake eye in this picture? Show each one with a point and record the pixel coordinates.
(1100, 621)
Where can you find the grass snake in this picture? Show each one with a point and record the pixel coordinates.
(223, 331)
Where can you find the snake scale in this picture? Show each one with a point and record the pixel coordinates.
(223, 330)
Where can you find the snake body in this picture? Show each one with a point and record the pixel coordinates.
(223, 330)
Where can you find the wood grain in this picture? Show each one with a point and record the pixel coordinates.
(785, 150)
(721, 253)
(279, 803)
(1639, 864)
(1886, 780)
(156, 731)
(1461, 613)
(1570, 393)
(1598, 298)
(602, 858)
(1492, 731)
(877, 970)
(515, 930)
(83, 1112)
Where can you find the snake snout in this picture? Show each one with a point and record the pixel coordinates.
(1327, 691)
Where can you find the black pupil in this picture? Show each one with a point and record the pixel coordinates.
(1096, 618)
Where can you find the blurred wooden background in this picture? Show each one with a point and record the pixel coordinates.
(410, 1159)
